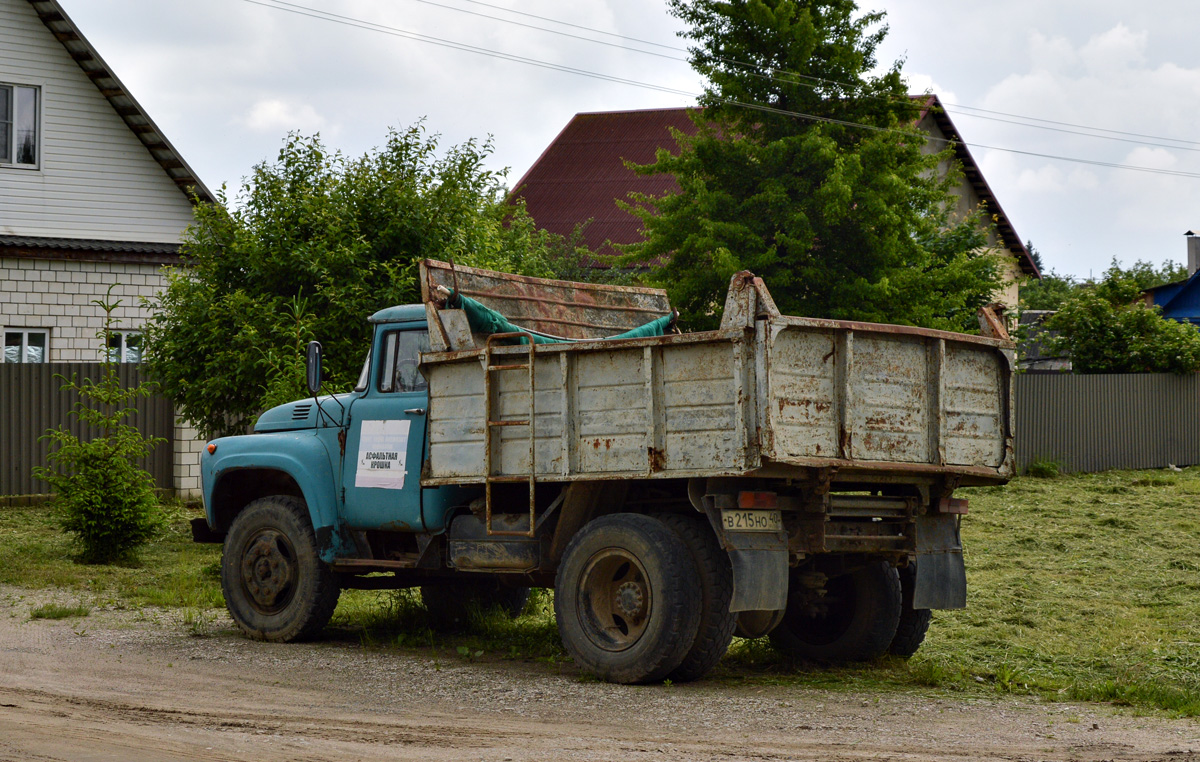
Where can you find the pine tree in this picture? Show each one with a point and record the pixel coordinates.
(844, 211)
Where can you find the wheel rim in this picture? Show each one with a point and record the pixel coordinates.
(822, 620)
(269, 571)
(615, 599)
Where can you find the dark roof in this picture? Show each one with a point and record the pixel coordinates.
(64, 29)
(83, 249)
(582, 173)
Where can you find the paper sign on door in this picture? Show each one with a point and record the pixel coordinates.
(381, 454)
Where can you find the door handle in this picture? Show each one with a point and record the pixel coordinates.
(415, 411)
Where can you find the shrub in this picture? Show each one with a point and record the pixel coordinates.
(1044, 468)
(104, 498)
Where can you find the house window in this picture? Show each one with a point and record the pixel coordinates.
(19, 125)
(26, 346)
(124, 346)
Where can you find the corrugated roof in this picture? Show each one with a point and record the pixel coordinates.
(582, 174)
(87, 244)
(64, 29)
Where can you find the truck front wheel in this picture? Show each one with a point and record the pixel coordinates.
(626, 599)
(853, 617)
(276, 586)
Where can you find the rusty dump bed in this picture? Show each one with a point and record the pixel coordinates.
(766, 394)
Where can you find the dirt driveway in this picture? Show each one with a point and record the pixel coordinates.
(137, 686)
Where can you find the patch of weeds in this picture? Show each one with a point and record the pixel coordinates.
(199, 621)
(467, 653)
(58, 611)
(1044, 468)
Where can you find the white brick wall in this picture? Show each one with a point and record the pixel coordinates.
(58, 296)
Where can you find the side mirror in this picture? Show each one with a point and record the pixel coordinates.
(312, 367)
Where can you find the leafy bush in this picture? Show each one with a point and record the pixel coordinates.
(345, 236)
(104, 498)
(1109, 329)
(1044, 468)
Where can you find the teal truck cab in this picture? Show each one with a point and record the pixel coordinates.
(780, 476)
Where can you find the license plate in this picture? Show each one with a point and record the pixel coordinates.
(752, 521)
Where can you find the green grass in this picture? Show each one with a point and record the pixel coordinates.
(58, 611)
(1081, 588)
(172, 571)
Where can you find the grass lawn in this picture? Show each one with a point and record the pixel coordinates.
(1080, 588)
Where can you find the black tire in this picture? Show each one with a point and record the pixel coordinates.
(914, 623)
(276, 586)
(626, 602)
(453, 603)
(855, 620)
(715, 574)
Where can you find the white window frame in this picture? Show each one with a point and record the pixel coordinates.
(8, 91)
(122, 347)
(24, 350)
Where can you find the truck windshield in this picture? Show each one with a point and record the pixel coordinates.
(364, 377)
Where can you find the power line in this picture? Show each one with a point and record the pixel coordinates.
(329, 16)
(791, 77)
(320, 15)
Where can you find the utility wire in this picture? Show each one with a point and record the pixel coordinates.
(320, 15)
(329, 16)
(782, 76)
(786, 77)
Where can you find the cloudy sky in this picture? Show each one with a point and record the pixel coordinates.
(227, 79)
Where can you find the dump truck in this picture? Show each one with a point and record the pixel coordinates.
(781, 477)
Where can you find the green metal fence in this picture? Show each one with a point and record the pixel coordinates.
(32, 400)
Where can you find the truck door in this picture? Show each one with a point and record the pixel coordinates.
(386, 439)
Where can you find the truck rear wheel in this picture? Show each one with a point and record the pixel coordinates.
(914, 623)
(855, 619)
(715, 575)
(451, 604)
(276, 586)
(626, 599)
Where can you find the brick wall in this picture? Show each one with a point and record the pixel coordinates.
(58, 296)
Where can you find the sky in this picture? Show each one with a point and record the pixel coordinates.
(226, 80)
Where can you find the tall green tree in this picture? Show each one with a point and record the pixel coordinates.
(808, 170)
(312, 245)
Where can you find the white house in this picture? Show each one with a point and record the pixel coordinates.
(91, 194)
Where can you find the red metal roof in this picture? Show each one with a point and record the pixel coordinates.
(582, 174)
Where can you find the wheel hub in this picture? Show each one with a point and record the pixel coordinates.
(631, 600)
(615, 599)
(268, 572)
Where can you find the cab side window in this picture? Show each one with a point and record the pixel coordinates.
(401, 351)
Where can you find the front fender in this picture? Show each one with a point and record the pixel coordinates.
(301, 455)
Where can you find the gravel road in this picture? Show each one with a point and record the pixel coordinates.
(136, 685)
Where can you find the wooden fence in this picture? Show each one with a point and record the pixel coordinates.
(32, 401)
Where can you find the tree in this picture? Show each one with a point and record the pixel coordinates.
(1053, 290)
(103, 496)
(1108, 328)
(1049, 292)
(809, 171)
(314, 244)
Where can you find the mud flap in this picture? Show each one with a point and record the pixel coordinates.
(941, 579)
(760, 570)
